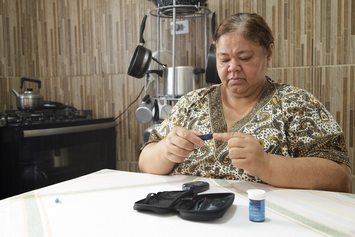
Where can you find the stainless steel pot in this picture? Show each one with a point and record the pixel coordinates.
(29, 100)
(187, 78)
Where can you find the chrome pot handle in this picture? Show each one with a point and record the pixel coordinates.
(159, 72)
(161, 64)
(199, 70)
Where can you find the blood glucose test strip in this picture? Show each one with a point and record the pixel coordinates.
(205, 137)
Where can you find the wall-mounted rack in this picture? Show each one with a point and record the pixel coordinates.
(182, 12)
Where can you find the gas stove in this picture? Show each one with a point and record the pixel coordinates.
(40, 148)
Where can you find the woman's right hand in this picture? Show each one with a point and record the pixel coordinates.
(179, 143)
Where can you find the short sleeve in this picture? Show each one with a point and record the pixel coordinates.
(312, 131)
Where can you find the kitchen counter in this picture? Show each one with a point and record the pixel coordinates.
(101, 204)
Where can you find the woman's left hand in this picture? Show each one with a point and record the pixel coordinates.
(245, 152)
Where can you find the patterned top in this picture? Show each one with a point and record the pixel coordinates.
(286, 120)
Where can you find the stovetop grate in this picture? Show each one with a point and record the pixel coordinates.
(45, 116)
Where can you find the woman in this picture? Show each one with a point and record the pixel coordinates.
(263, 131)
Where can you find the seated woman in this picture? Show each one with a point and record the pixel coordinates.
(263, 131)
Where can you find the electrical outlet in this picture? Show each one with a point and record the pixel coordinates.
(182, 27)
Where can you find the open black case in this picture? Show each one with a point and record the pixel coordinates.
(191, 206)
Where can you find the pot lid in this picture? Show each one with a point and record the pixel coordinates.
(30, 94)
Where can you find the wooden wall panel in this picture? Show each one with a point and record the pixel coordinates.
(80, 50)
(306, 32)
(334, 39)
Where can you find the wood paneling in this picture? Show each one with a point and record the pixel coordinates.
(80, 50)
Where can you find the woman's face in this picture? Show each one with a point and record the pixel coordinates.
(241, 64)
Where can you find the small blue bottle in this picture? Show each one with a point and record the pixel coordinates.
(256, 205)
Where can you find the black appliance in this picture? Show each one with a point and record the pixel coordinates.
(42, 148)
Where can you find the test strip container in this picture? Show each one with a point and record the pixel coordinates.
(256, 205)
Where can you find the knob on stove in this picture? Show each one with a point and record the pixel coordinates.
(28, 120)
(3, 120)
(19, 119)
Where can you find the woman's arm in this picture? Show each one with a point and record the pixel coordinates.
(151, 159)
(307, 173)
(302, 172)
(160, 157)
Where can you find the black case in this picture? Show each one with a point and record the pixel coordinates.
(204, 207)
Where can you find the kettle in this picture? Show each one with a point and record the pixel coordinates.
(29, 100)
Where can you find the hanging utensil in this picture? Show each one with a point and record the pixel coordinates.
(211, 70)
(142, 56)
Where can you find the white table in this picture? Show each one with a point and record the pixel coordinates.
(101, 204)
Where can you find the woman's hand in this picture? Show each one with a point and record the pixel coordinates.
(245, 152)
(179, 143)
(286, 172)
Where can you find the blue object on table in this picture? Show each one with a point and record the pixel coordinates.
(205, 137)
(57, 200)
(256, 204)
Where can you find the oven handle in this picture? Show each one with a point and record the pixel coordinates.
(66, 130)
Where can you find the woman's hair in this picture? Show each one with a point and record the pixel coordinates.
(252, 26)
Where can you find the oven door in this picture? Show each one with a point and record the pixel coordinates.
(38, 157)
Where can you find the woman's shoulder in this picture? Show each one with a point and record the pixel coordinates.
(291, 93)
(198, 94)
